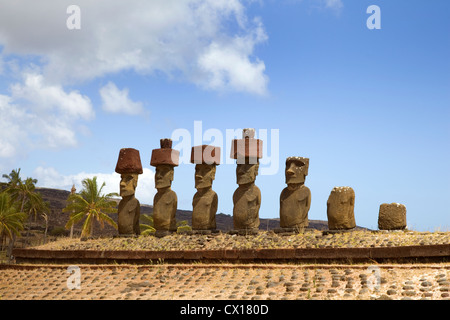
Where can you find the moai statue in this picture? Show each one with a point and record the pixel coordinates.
(247, 197)
(392, 216)
(165, 201)
(295, 199)
(205, 200)
(129, 166)
(340, 209)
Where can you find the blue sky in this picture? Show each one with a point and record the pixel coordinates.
(370, 108)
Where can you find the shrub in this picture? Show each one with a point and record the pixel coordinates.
(58, 232)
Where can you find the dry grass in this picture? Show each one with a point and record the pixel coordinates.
(308, 239)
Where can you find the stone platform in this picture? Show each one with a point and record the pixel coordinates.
(439, 253)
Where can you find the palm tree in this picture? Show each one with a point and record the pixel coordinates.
(35, 205)
(24, 192)
(24, 195)
(13, 178)
(11, 219)
(90, 204)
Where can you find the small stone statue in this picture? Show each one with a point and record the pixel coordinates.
(247, 197)
(205, 200)
(340, 209)
(165, 201)
(129, 166)
(295, 199)
(392, 216)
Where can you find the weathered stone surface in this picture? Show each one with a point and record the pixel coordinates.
(248, 149)
(205, 154)
(129, 166)
(247, 202)
(165, 201)
(204, 205)
(205, 200)
(129, 209)
(164, 209)
(129, 161)
(247, 197)
(392, 216)
(340, 208)
(295, 199)
(165, 155)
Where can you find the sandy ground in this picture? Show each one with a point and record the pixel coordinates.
(225, 282)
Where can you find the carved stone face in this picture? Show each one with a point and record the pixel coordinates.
(128, 184)
(296, 172)
(163, 176)
(246, 173)
(204, 175)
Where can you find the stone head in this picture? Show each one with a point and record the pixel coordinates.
(343, 196)
(204, 175)
(129, 167)
(164, 176)
(128, 184)
(246, 172)
(296, 170)
(164, 159)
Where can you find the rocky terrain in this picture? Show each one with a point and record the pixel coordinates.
(227, 282)
(309, 239)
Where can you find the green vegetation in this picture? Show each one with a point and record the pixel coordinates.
(11, 219)
(19, 201)
(58, 232)
(183, 226)
(91, 205)
(147, 227)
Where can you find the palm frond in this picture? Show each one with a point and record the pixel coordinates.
(90, 204)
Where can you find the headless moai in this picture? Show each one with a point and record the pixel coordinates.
(295, 199)
(165, 200)
(340, 209)
(392, 216)
(247, 197)
(205, 201)
(129, 166)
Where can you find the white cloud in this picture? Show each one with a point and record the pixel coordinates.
(40, 115)
(169, 36)
(11, 132)
(117, 101)
(51, 178)
(227, 64)
(46, 98)
(334, 4)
